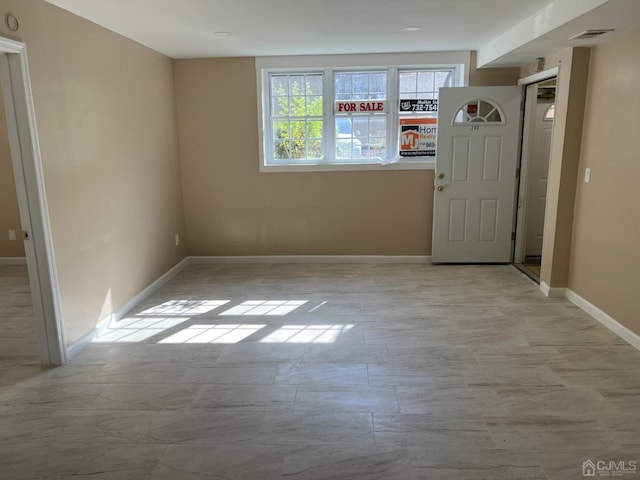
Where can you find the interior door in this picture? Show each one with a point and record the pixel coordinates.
(475, 177)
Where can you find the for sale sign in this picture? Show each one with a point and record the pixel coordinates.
(371, 106)
(418, 137)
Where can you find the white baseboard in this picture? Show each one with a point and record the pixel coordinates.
(83, 342)
(553, 292)
(13, 260)
(312, 259)
(605, 319)
(150, 290)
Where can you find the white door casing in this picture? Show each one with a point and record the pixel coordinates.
(475, 176)
(27, 166)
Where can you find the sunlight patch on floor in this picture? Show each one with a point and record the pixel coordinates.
(173, 322)
(306, 334)
(185, 307)
(136, 329)
(264, 307)
(213, 334)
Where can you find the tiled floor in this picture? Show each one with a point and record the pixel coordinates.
(19, 358)
(333, 372)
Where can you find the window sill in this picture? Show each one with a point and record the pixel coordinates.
(348, 167)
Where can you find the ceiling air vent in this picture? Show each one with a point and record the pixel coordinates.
(588, 34)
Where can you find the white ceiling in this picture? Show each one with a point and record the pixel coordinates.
(505, 32)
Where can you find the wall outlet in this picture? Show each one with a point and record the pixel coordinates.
(177, 239)
(587, 175)
(12, 234)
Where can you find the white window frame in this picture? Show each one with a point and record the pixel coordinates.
(328, 64)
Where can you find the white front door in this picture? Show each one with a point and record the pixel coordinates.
(478, 138)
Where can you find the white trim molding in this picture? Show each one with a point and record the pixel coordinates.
(83, 342)
(552, 292)
(149, 290)
(604, 318)
(539, 76)
(312, 259)
(32, 200)
(13, 260)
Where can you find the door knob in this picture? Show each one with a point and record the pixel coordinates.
(440, 188)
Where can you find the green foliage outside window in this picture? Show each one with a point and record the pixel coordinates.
(298, 137)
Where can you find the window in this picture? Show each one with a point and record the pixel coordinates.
(479, 111)
(296, 117)
(315, 117)
(361, 134)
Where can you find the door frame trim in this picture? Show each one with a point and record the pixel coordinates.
(526, 82)
(539, 77)
(32, 201)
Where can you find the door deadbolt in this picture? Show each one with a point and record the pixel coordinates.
(441, 176)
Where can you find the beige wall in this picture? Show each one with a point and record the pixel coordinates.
(9, 214)
(605, 255)
(487, 77)
(233, 209)
(106, 119)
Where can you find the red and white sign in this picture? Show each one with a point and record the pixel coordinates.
(418, 137)
(359, 106)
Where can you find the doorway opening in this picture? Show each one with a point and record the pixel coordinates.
(539, 113)
(18, 336)
(29, 184)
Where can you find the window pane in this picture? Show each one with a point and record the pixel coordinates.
(314, 84)
(444, 79)
(408, 82)
(377, 141)
(280, 106)
(360, 83)
(279, 85)
(347, 145)
(425, 82)
(314, 130)
(361, 86)
(280, 130)
(296, 85)
(343, 83)
(281, 150)
(359, 138)
(315, 149)
(314, 106)
(379, 84)
(361, 126)
(298, 106)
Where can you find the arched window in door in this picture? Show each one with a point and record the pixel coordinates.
(479, 111)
